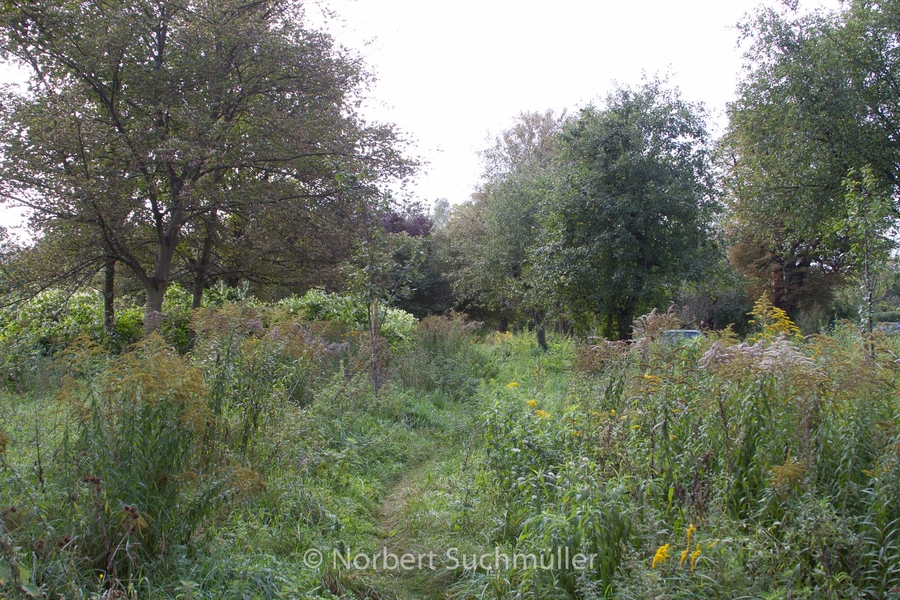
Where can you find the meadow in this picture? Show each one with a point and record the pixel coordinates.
(717, 467)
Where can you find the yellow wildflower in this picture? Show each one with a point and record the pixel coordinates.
(612, 413)
(662, 555)
(532, 403)
(690, 531)
(542, 414)
(683, 558)
(512, 384)
(694, 556)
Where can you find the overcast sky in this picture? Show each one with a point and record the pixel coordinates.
(451, 74)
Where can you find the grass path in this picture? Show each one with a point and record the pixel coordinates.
(421, 515)
(397, 537)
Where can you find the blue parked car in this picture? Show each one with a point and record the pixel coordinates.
(678, 335)
(889, 328)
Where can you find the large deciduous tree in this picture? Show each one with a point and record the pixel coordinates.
(819, 99)
(155, 127)
(493, 236)
(630, 214)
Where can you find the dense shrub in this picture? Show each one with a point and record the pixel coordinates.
(440, 357)
(317, 305)
(129, 481)
(718, 467)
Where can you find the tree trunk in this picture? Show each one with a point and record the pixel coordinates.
(373, 332)
(539, 328)
(153, 314)
(201, 275)
(196, 301)
(624, 319)
(609, 329)
(109, 295)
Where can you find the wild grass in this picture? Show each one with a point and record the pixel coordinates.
(710, 468)
(780, 455)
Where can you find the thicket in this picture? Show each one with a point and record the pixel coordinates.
(150, 473)
(706, 468)
(710, 468)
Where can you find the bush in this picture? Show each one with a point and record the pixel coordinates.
(318, 305)
(440, 356)
(130, 481)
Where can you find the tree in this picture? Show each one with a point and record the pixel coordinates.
(429, 290)
(385, 266)
(440, 214)
(819, 100)
(870, 227)
(492, 237)
(631, 210)
(152, 123)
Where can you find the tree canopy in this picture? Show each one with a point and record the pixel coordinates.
(819, 100)
(155, 129)
(632, 207)
(493, 235)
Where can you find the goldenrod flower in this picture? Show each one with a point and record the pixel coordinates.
(542, 414)
(662, 555)
(512, 384)
(612, 413)
(694, 556)
(690, 531)
(532, 403)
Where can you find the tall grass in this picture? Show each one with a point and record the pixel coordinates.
(780, 453)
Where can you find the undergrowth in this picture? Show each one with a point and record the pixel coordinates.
(702, 468)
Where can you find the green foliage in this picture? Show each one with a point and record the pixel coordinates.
(43, 326)
(870, 229)
(632, 207)
(491, 238)
(129, 483)
(709, 469)
(349, 311)
(149, 210)
(771, 453)
(815, 104)
(440, 357)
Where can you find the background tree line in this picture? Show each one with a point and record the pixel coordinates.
(220, 142)
(597, 216)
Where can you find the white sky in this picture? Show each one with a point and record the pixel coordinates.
(452, 74)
